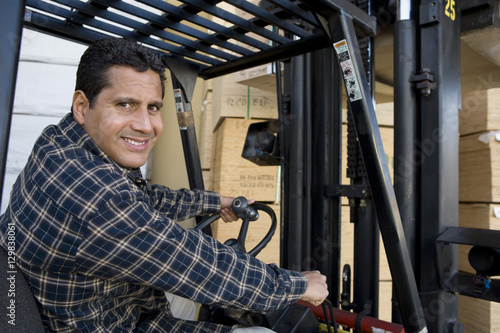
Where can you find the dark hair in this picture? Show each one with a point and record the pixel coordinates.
(92, 73)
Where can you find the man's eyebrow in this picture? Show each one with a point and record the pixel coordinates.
(159, 105)
(131, 100)
(126, 100)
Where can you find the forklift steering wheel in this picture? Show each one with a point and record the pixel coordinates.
(247, 213)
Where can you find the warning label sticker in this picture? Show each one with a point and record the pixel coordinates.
(350, 79)
(178, 100)
(179, 106)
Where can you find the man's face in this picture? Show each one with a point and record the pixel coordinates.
(125, 120)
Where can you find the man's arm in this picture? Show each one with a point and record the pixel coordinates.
(130, 242)
(183, 203)
(194, 202)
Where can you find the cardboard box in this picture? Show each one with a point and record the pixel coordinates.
(479, 168)
(231, 99)
(262, 77)
(233, 175)
(480, 111)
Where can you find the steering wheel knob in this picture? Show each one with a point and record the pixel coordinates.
(245, 212)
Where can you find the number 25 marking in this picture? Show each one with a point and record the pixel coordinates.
(450, 9)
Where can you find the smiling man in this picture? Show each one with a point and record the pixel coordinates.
(98, 244)
(125, 119)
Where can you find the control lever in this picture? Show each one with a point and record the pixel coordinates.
(245, 212)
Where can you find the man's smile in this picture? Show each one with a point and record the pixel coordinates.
(136, 143)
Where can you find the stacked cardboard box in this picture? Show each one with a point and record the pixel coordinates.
(262, 77)
(234, 100)
(479, 184)
(228, 110)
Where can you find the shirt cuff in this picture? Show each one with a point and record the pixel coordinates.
(211, 202)
(297, 286)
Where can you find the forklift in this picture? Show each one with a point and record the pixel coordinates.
(326, 50)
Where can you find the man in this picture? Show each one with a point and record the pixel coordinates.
(98, 245)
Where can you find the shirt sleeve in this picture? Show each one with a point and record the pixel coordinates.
(183, 204)
(130, 241)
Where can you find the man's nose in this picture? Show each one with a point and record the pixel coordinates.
(142, 121)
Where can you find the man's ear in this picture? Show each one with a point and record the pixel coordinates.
(80, 107)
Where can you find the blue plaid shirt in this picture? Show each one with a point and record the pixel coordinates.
(99, 245)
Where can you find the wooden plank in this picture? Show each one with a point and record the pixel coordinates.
(478, 316)
(479, 215)
(480, 111)
(479, 168)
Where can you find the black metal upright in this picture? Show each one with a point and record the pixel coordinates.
(406, 170)
(296, 244)
(184, 80)
(440, 102)
(341, 29)
(11, 24)
(326, 147)
(310, 138)
(363, 215)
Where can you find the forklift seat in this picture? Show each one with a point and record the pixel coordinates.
(17, 300)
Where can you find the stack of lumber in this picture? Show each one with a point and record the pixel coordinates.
(479, 184)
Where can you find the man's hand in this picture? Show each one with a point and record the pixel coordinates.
(317, 289)
(226, 213)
